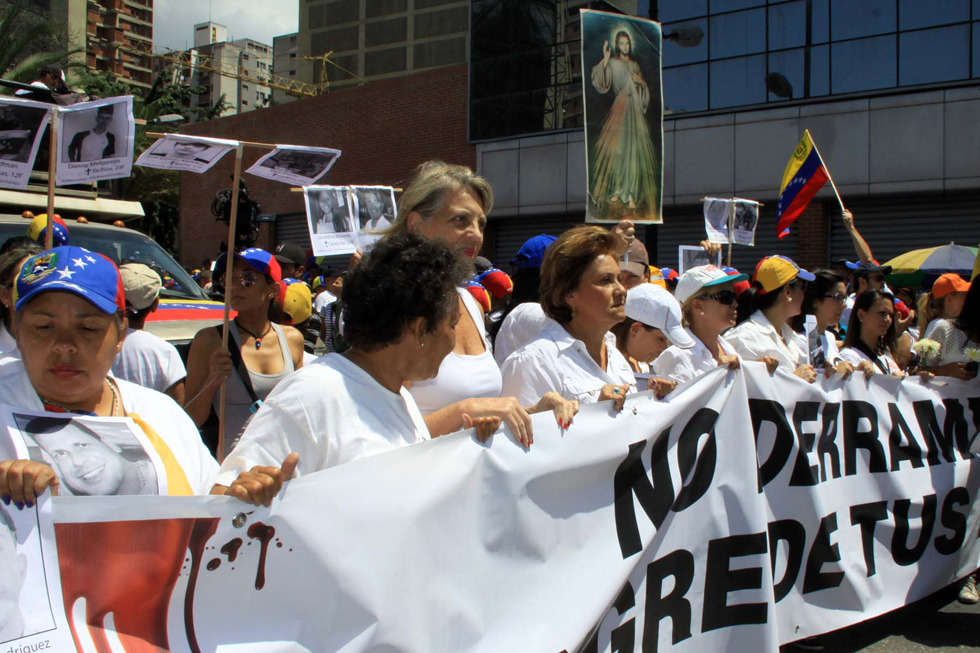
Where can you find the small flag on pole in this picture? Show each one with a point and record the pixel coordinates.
(805, 175)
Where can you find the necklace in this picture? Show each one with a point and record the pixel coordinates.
(55, 407)
(258, 337)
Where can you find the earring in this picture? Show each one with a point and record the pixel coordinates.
(421, 344)
(702, 312)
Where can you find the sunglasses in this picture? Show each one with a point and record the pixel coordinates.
(246, 278)
(726, 297)
(837, 297)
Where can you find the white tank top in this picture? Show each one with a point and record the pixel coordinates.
(460, 376)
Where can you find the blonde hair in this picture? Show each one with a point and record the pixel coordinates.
(687, 308)
(928, 308)
(429, 186)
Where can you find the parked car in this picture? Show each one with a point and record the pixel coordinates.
(184, 308)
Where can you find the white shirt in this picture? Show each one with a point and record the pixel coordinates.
(557, 362)
(324, 298)
(932, 325)
(330, 413)
(682, 365)
(93, 146)
(822, 347)
(149, 361)
(461, 377)
(757, 337)
(855, 357)
(521, 326)
(9, 354)
(178, 442)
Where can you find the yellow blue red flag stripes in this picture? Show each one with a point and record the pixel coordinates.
(805, 175)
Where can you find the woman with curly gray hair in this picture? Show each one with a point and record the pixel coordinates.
(400, 311)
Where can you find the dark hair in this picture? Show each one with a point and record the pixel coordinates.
(21, 242)
(622, 332)
(620, 34)
(969, 319)
(565, 262)
(753, 300)
(864, 302)
(405, 276)
(527, 289)
(10, 265)
(815, 290)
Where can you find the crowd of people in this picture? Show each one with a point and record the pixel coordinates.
(424, 338)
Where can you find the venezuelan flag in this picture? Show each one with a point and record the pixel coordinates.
(805, 175)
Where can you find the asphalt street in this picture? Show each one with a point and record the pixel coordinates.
(936, 623)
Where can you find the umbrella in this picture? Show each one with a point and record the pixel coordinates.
(911, 268)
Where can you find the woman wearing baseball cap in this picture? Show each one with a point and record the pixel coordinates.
(653, 321)
(776, 295)
(707, 298)
(945, 300)
(268, 352)
(70, 326)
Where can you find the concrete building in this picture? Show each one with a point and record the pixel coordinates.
(887, 89)
(213, 51)
(376, 39)
(284, 61)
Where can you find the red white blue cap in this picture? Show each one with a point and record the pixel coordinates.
(258, 259)
(39, 227)
(89, 275)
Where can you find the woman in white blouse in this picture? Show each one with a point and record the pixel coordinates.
(823, 304)
(580, 291)
(707, 299)
(959, 341)
(871, 333)
(776, 295)
(449, 203)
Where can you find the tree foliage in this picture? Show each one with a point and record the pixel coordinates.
(29, 41)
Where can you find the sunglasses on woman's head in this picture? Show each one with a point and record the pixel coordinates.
(726, 297)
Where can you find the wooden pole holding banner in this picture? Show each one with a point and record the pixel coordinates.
(731, 231)
(229, 264)
(52, 165)
(829, 178)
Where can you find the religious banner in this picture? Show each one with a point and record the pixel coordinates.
(185, 153)
(22, 125)
(623, 117)
(295, 164)
(95, 141)
(742, 512)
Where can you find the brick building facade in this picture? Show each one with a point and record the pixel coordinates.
(384, 130)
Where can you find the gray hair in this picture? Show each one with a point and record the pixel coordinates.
(428, 188)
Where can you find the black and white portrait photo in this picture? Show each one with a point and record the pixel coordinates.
(716, 215)
(22, 125)
(95, 140)
(691, 257)
(745, 221)
(290, 164)
(330, 217)
(92, 457)
(174, 152)
(375, 207)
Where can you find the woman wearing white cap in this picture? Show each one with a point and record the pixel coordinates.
(653, 321)
(707, 298)
(776, 295)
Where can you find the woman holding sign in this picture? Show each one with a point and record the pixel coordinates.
(70, 326)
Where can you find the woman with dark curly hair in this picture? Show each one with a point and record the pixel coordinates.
(400, 310)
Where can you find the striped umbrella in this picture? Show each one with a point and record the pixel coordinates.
(912, 268)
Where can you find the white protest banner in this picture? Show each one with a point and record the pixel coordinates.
(656, 527)
(22, 125)
(95, 140)
(294, 164)
(376, 209)
(690, 256)
(185, 153)
(330, 219)
(32, 616)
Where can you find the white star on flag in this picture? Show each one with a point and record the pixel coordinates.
(90, 259)
(79, 262)
(65, 273)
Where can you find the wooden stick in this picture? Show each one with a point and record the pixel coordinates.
(300, 189)
(229, 264)
(264, 146)
(829, 178)
(52, 171)
(731, 230)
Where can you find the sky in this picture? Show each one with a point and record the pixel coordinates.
(174, 20)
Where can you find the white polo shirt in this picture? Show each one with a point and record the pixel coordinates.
(682, 365)
(557, 362)
(757, 337)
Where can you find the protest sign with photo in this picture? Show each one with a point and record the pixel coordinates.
(690, 256)
(185, 153)
(293, 164)
(742, 512)
(330, 218)
(375, 208)
(623, 117)
(95, 140)
(22, 125)
(32, 616)
(731, 221)
(104, 456)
